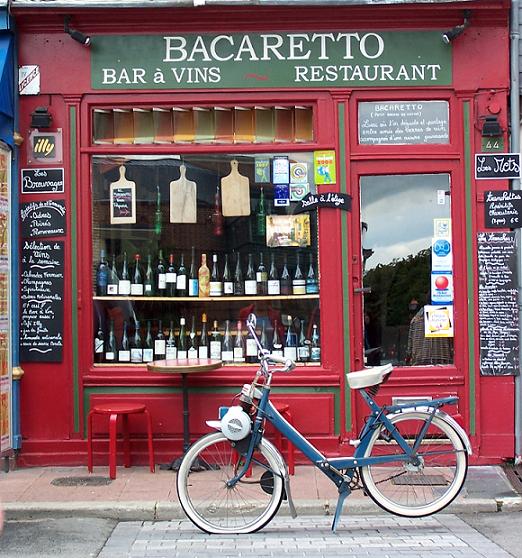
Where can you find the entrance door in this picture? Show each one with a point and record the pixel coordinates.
(406, 276)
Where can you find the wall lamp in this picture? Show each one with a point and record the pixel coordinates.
(40, 118)
(491, 127)
(452, 34)
(78, 36)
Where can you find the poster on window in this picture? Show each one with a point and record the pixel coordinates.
(288, 230)
(438, 321)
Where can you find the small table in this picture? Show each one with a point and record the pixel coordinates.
(183, 366)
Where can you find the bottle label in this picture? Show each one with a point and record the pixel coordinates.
(148, 355)
(290, 352)
(181, 282)
(312, 288)
(136, 355)
(261, 276)
(251, 347)
(136, 289)
(159, 346)
(228, 287)
(216, 288)
(250, 287)
(171, 353)
(109, 356)
(299, 286)
(170, 278)
(98, 345)
(124, 287)
(193, 287)
(148, 288)
(274, 287)
(303, 353)
(277, 350)
(227, 356)
(204, 284)
(238, 354)
(162, 281)
(112, 289)
(203, 351)
(103, 278)
(182, 354)
(124, 356)
(315, 354)
(192, 353)
(215, 350)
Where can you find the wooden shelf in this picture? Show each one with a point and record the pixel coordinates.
(208, 298)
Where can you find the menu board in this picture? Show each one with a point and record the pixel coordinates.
(42, 181)
(43, 218)
(41, 293)
(498, 309)
(403, 122)
(503, 209)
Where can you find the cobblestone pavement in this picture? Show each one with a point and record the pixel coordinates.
(382, 536)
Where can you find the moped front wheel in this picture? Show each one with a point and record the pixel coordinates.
(217, 508)
(429, 481)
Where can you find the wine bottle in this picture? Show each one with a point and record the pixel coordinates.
(110, 349)
(239, 344)
(217, 214)
(315, 350)
(181, 278)
(124, 351)
(290, 350)
(312, 284)
(161, 275)
(298, 282)
(273, 286)
(303, 345)
(261, 214)
(227, 350)
(251, 349)
(204, 277)
(250, 278)
(277, 346)
(136, 347)
(182, 339)
(99, 344)
(285, 282)
(148, 284)
(159, 343)
(148, 348)
(124, 284)
(239, 286)
(228, 284)
(171, 352)
(215, 343)
(192, 350)
(203, 338)
(112, 285)
(171, 277)
(261, 277)
(216, 285)
(137, 278)
(157, 213)
(102, 276)
(263, 339)
(193, 285)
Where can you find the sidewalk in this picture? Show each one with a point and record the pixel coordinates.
(137, 494)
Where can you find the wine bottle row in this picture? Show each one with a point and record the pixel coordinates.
(165, 279)
(227, 345)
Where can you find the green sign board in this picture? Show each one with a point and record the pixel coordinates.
(270, 60)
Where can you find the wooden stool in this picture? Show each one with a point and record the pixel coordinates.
(284, 410)
(114, 410)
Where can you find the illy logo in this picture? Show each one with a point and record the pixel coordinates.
(44, 147)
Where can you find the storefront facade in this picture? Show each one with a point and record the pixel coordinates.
(330, 153)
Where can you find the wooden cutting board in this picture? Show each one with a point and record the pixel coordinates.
(235, 193)
(183, 199)
(123, 200)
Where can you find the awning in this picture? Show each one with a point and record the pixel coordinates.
(6, 89)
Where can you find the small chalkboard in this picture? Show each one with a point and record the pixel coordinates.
(490, 166)
(41, 294)
(503, 209)
(42, 181)
(41, 219)
(498, 308)
(123, 205)
(324, 199)
(403, 122)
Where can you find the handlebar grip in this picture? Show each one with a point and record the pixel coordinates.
(288, 363)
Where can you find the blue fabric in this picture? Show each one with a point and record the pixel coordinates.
(6, 89)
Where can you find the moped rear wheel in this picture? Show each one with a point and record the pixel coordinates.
(425, 484)
(216, 508)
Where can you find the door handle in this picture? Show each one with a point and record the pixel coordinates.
(363, 290)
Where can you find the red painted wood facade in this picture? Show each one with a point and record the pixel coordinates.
(57, 396)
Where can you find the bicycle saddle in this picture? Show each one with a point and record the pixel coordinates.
(369, 376)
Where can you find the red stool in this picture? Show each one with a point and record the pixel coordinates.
(114, 410)
(284, 410)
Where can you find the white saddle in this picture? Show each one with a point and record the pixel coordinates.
(369, 376)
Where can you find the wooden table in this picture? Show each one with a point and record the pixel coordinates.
(183, 366)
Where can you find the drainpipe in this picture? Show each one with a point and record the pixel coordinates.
(515, 148)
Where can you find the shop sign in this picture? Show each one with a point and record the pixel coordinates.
(497, 166)
(42, 181)
(503, 209)
(334, 200)
(45, 147)
(270, 60)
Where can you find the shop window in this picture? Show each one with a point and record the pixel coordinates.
(203, 125)
(408, 269)
(159, 222)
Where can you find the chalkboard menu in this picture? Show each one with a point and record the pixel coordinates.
(41, 292)
(403, 122)
(45, 218)
(498, 310)
(497, 166)
(503, 209)
(42, 181)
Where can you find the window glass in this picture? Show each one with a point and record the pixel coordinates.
(407, 259)
(163, 216)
